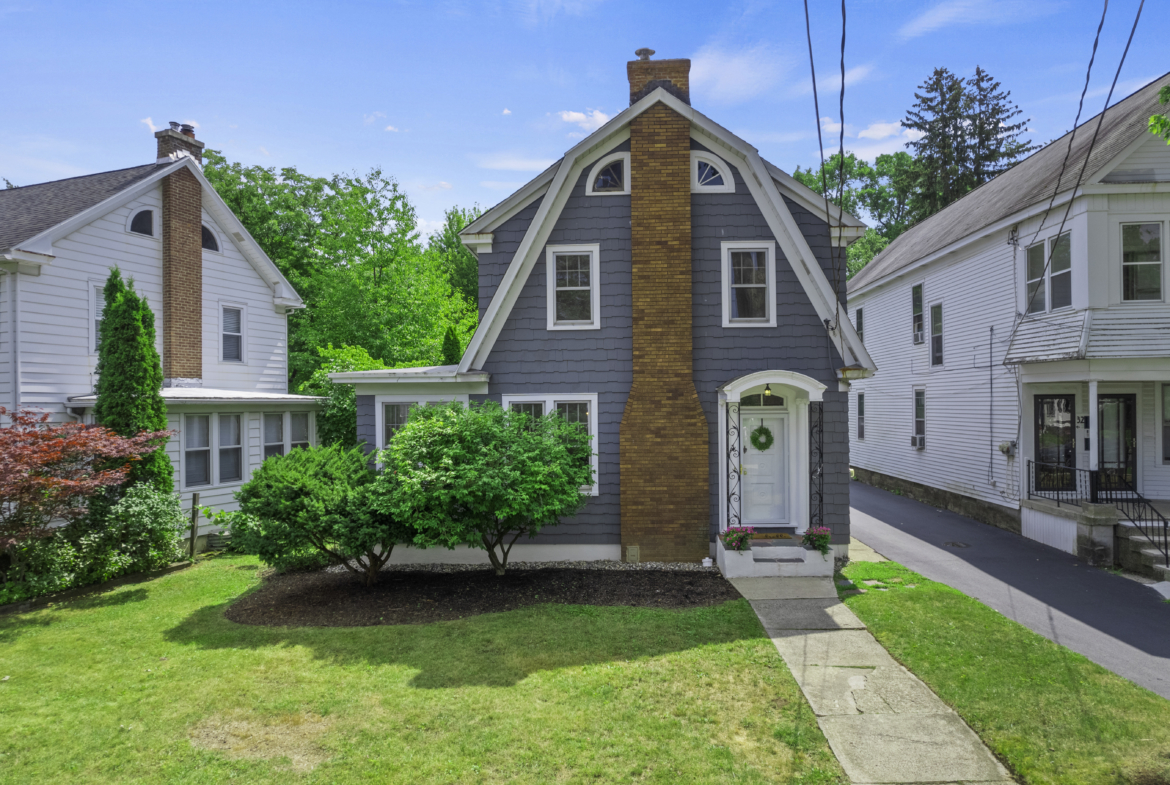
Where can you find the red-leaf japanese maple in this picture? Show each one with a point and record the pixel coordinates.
(49, 470)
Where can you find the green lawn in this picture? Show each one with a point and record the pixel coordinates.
(149, 683)
(1050, 714)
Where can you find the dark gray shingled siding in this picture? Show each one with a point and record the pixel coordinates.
(367, 427)
(527, 358)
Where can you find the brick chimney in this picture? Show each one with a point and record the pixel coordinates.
(182, 261)
(665, 505)
(646, 75)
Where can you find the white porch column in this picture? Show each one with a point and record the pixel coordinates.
(799, 479)
(1093, 426)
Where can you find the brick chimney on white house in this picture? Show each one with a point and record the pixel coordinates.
(182, 260)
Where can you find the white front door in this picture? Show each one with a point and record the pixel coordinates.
(765, 472)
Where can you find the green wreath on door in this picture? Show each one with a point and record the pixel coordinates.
(762, 438)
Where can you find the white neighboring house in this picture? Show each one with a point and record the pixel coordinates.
(220, 307)
(1001, 344)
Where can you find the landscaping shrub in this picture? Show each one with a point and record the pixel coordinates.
(483, 476)
(317, 500)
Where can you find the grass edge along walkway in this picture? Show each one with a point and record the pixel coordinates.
(150, 683)
(1050, 714)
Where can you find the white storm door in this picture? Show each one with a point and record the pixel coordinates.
(765, 473)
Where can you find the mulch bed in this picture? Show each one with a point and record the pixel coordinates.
(325, 599)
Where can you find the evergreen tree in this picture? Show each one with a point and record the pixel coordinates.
(452, 354)
(939, 114)
(461, 263)
(129, 378)
(994, 140)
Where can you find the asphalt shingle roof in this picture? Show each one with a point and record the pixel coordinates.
(29, 210)
(1030, 182)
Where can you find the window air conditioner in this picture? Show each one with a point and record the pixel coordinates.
(918, 442)
(918, 337)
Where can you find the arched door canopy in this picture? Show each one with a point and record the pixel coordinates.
(733, 389)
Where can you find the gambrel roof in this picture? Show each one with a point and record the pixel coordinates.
(1032, 182)
(33, 217)
(768, 186)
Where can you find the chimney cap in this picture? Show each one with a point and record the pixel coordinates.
(174, 125)
(187, 130)
(644, 53)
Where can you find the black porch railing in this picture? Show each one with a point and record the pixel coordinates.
(1069, 485)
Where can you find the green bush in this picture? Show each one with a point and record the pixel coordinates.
(247, 536)
(317, 499)
(337, 421)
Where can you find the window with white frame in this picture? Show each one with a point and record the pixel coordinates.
(1050, 277)
(208, 240)
(97, 308)
(936, 334)
(283, 432)
(919, 438)
(860, 415)
(749, 276)
(143, 223)
(394, 416)
(196, 450)
(273, 430)
(574, 297)
(916, 312)
(231, 448)
(710, 174)
(232, 338)
(609, 176)
(579, 408)
(1141, 261)
(298, 430)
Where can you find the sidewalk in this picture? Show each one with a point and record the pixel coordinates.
(882, 723)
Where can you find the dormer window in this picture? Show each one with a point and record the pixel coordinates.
(609, 176)
(143, 223)
(210, 243)
(710, 174)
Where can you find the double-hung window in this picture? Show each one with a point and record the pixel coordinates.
(918, 440)
(231, 449)
(916, 312)
(298, 430)
(574, 287)
(936, 334)
(284, 431)
(197, 450)
(98, 309)
(749, 284)
(232, 339)
(393, 417)
(213, 449)
(860, 415)
(579, 408)
(1050, 278)
(861, 324)
(273, 434)
(1141, 261)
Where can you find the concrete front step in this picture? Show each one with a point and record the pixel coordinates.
(772, 561)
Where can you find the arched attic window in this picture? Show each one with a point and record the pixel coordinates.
(610, 175)
(210, 243)
(710, 174)
(143, 222)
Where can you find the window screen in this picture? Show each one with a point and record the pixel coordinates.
(916, 311)
(1060, 272)
(233, 335)
(273, 435)
(749, 285)
(1141, 261)
(197, 450)
(920, 412)
(573, 290)
(577, 412)
(298, 429)
(143, 222)
(936, 334)
(231, 464)
(1037, 301)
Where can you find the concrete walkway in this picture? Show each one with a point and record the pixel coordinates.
(882, 723)
(1115, 622)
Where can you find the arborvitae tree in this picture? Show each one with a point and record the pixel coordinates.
(129, 378)
(460, 261)
(452, 353)
(939, 114)
(993, 139)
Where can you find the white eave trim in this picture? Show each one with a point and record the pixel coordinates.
(489, 221)
(478, 243)
(439, 374)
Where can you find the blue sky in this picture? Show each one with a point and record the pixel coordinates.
(463, 101)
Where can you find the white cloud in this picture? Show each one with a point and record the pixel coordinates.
(391, 128)
(426, 227)
(506, 111)
(265, 151)
(831, 126)
(191, 123)
(514, 163)
(967, 12)
(589, 120)
(439, 186)
(880, 131)
(150, 124)
(500, 185)
(372, 117)
(831, 83)
(734, 75)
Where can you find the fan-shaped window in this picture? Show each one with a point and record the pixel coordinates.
(143, 222)
(610, 175)
(209, 241)
(710, 174)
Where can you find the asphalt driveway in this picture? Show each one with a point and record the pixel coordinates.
(1116, 622)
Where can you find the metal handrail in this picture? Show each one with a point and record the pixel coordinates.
(1073, 486)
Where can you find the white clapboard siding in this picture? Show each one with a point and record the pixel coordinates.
(1051, 530)
(6, 399)
(1149, 163)
(961, 452)
(228, 279)
(1054, 336)
(1130, 330)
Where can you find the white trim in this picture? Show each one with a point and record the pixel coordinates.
(769, 248)
(154, 221)
(215, 234)
(380, 402)
(242, 307)
(600, 166)
(550, 401)
(720, 165)
(551, 253)
(733, 389)
(210, 449)
(96, 285)
(930, 335)
(1121, 221)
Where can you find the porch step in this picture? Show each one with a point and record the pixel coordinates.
(778, 551)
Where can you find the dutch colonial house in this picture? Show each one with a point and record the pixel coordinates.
(220, 308)
(667, 288)
(1025, 368)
